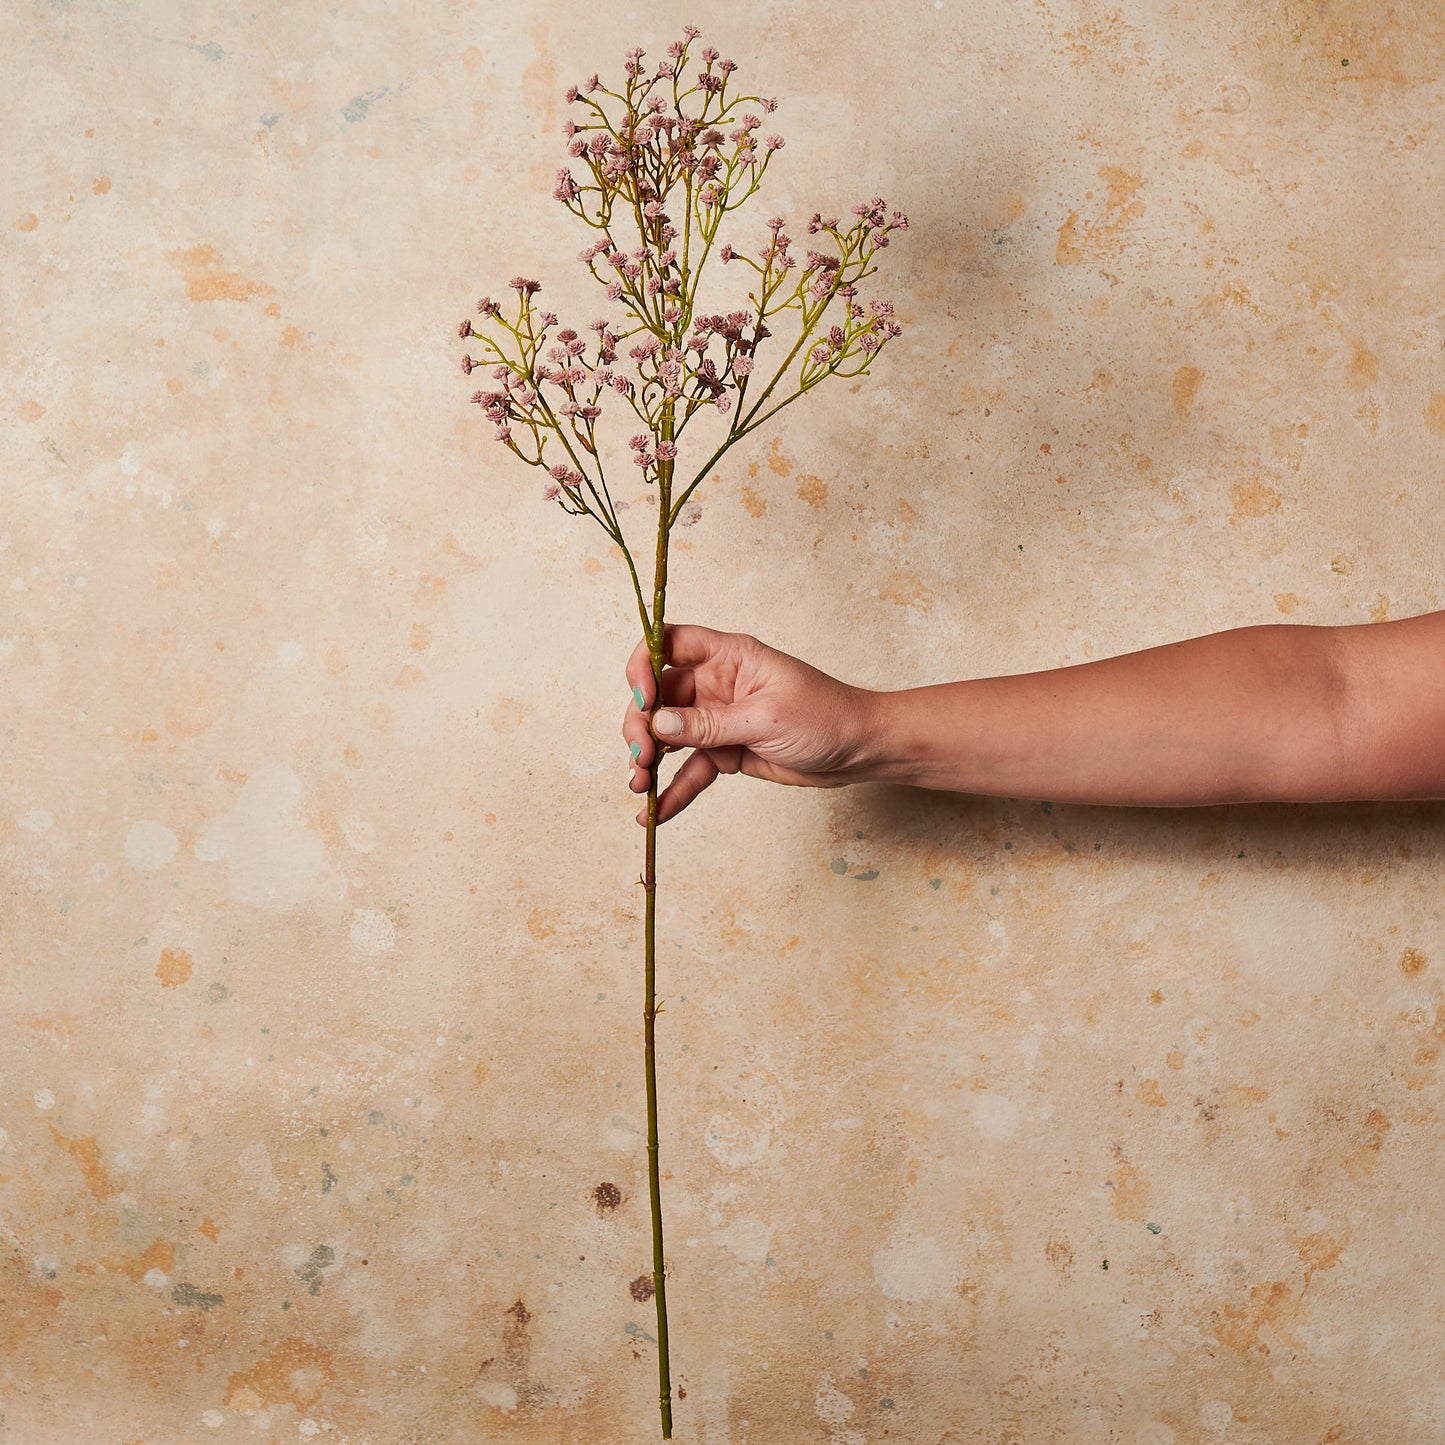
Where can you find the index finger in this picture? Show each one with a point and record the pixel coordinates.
(639, 673)
(683, 645)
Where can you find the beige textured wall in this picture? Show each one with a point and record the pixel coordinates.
(319, 1007)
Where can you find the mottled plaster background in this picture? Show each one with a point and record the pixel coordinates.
(320, 1002)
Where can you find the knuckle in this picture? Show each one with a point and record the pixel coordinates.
(703, 729)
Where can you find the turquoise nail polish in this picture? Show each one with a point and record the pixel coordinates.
(636, 748)
(637, 695)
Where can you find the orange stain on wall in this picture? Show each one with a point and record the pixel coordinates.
(1131, 1193)
(159, 1254)
(1270, 1305)
(207, 279)
(813, 490)
(1252, 498)
(294, 1373)
(1186, 388)
(1364, 365)
(175, 967)
(1103, 237)
(86, 1153)
(906, 590)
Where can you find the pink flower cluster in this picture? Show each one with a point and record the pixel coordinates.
(659, 163)
(651, 144)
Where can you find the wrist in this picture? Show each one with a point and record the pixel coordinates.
(886, 750)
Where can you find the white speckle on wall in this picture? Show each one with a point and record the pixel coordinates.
(256, 1173)
(747, 1238)
(272, 860)
(499, 1396)
(994, 1116)
(912, 1268)
(1215, 1415)
(359, 834)
(830, 1404)
(149, 844)
(372, 931)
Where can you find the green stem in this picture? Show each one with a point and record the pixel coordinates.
(649, 883)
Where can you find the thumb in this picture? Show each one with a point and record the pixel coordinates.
(704, 727)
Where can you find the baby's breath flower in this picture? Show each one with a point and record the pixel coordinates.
(655, 159)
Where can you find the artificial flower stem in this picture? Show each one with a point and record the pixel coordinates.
(654, 1180)
(649, 883)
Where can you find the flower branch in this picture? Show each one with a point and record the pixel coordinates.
(663, 160)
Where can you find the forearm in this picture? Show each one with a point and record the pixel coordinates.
(1256, 714)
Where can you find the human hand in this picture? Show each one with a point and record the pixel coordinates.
(743, 707)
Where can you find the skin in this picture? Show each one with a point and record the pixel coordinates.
(1257, 714)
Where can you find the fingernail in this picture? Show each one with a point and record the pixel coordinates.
(667, 723)
(637, 697)
(636, 748)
